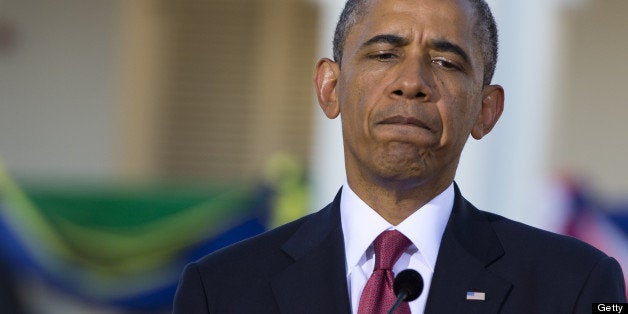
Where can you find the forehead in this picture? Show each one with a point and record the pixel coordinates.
(452, 20)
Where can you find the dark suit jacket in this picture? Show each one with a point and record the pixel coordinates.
(300, 268)
(10, 301)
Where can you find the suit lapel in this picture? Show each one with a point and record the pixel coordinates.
(468, 248)
(316, 281)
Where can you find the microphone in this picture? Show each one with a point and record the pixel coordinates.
(407, 286)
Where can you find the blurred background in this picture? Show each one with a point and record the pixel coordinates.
(137, 136)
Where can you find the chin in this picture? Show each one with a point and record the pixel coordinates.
(402, 168)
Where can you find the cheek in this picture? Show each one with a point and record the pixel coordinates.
(460, 93)
(358, 104)
(458, 114)
(352, 113)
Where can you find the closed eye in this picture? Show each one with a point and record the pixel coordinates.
(446, 64)
(383, 56)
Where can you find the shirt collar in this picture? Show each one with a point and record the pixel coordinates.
(361, 225)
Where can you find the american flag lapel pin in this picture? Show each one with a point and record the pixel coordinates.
(477, 296)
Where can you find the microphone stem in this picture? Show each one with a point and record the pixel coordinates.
(402, 295)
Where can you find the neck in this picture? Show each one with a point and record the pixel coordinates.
(396, 201)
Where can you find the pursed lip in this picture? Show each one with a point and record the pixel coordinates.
(403, 120)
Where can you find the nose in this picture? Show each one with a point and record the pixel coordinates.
(411, 81)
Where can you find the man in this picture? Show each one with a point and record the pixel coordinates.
(411, 79)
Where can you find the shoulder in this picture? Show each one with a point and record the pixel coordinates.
(519, 237)
(221, 277)
(276, 248)
(218, 280)
(571, 270)
(253, 251)
(559, 261)
(483, 232)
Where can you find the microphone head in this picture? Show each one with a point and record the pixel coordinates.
(410, 282)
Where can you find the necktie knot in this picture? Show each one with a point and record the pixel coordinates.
(389, 246)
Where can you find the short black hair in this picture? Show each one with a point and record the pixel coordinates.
(485, 32)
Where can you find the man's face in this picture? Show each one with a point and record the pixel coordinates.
(409, 91)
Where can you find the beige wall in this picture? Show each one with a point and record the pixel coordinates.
(58, 87)
(148, 88)
(591, 129)
(215, 88)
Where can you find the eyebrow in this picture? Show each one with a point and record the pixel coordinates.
(394, 40)
(446, 46)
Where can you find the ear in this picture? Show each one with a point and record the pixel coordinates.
(492, 108)
(325, 81)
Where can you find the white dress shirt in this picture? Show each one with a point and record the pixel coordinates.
(361, 225)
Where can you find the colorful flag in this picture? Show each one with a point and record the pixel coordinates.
(587, 219)
(119, 246)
